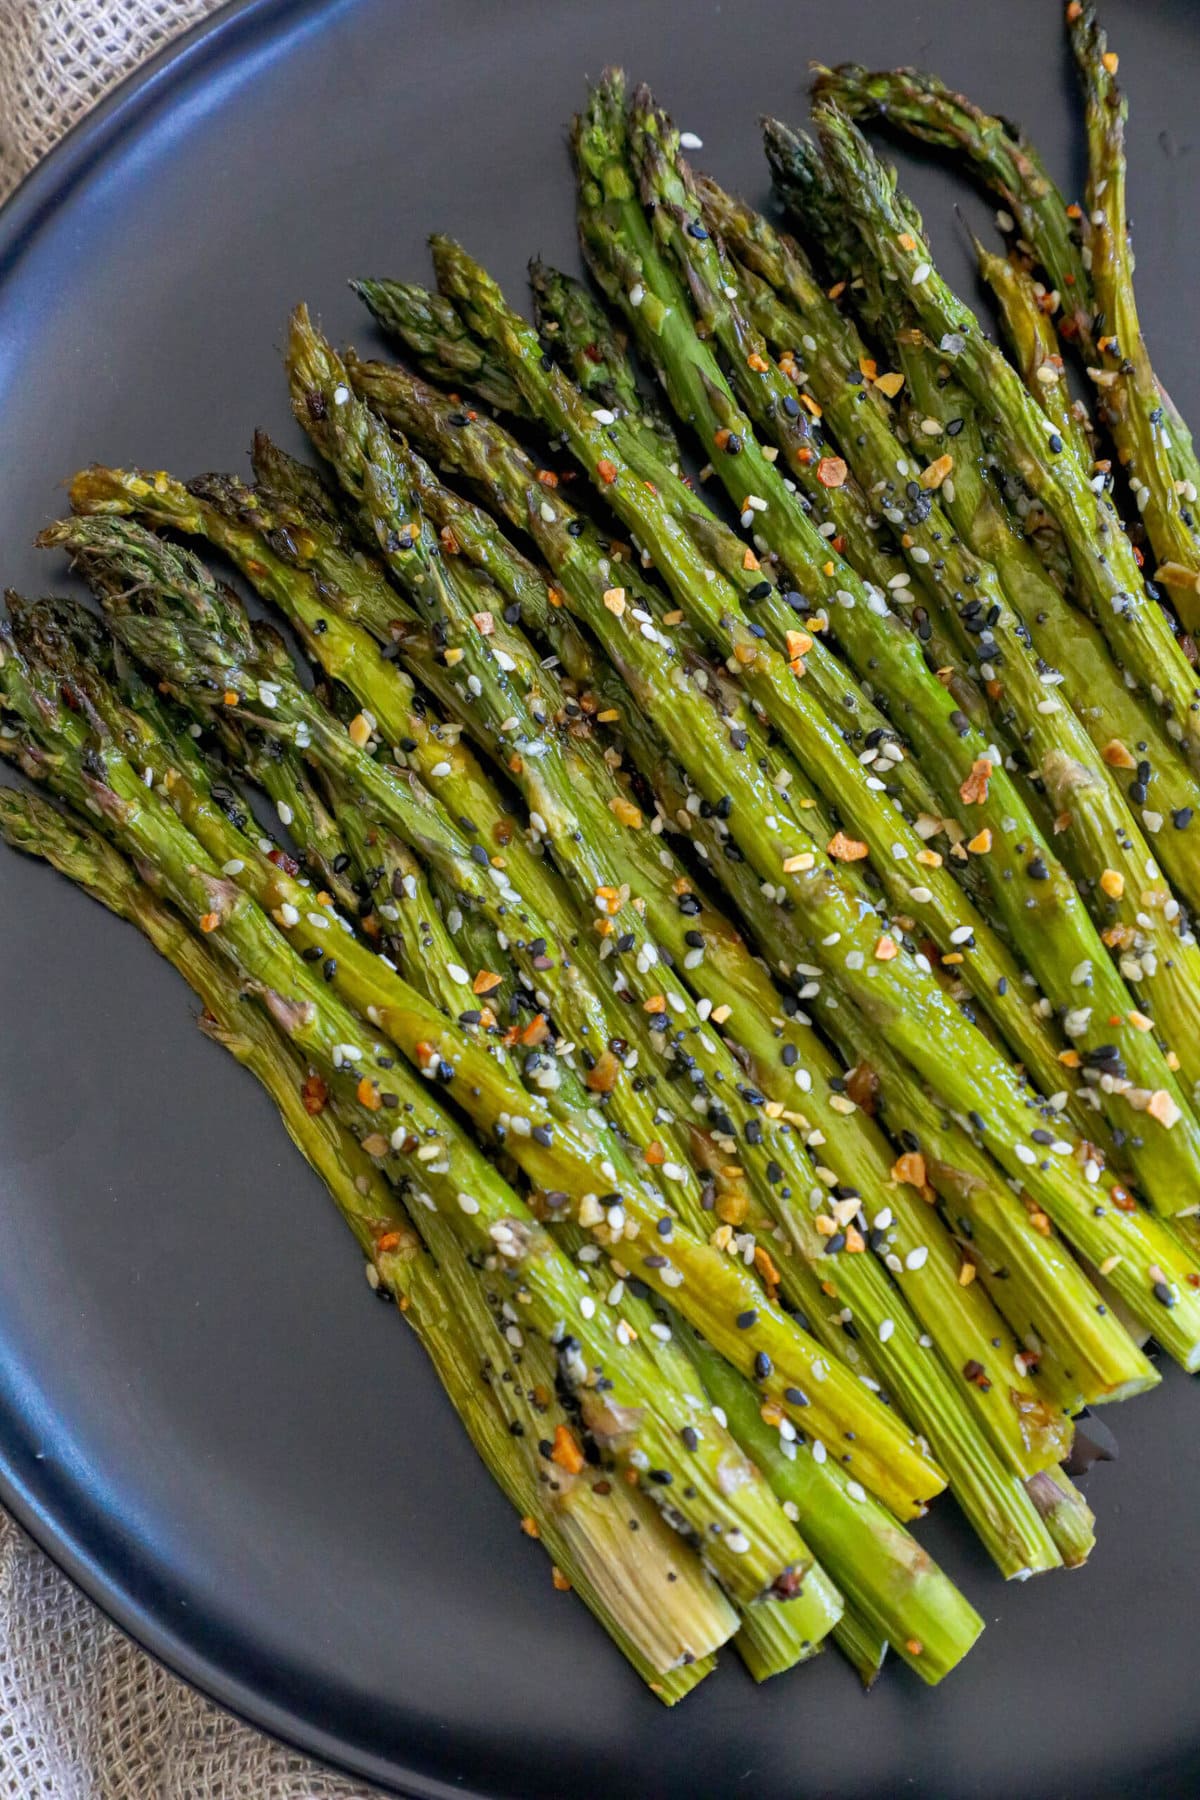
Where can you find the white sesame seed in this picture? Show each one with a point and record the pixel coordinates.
(917, 1257)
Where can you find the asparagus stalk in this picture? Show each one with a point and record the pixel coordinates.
(1131, 738)
(1099, 835)
(1129, 400)
(771, 1638)
(1076, 1344)
(488, 313)
(751, 1551)
(581, 335)
(898, 1590)
(1035, 351)
(1009, 165)
(647, 1590)
(1019, 862)
(1139, 634)
(715, 771)
(909, 100)
(997, 1504)
(554, 1149)
(440, 341)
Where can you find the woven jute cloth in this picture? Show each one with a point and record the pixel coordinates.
(85, 1714)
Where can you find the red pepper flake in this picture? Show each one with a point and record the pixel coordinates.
(283, 861)
(655, 1154)
(607, 471)
(548, 478)
(832, 472)
(209, 921)
(566, 1452)
(314, 1094)
(368, 1094)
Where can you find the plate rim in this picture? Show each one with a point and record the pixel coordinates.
(42, 191)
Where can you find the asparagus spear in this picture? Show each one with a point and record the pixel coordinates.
(509, 335)
(1065, 938)
(633, 654)
(1115, 718)
(1033, 1279)
(996, 1503)
(771, 1638)
(1035, 352)
(1100, 837)
(1128, 396)
(1138, 632)
(593, 353)
(648, 1591)
(899, 1591)
(553, 1149)
(758, 1149)
(909, 100)
(1007, 163)
(751, 1552)
(440, 341)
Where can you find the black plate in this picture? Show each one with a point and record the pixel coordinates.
(202, 1415)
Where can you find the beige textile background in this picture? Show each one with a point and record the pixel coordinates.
(84, 1715)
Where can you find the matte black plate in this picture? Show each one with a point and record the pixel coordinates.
(203, 1416)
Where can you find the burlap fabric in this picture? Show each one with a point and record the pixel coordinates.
(84, 1715)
